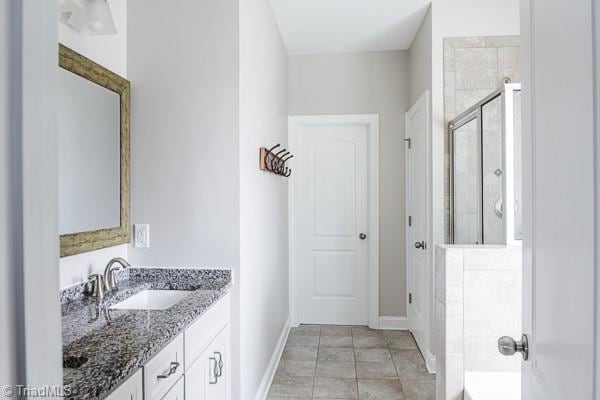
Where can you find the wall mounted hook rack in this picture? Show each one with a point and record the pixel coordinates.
(274, 160)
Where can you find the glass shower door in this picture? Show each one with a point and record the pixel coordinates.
(493, 171)
(485, 177)
(466, 183)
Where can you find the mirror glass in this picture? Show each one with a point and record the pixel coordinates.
(89, 155)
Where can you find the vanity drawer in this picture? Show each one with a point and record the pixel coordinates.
(163, 370)
(131, 389)
(202, 332)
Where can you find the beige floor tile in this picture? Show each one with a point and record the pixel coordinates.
(289, 368)
(335, 388)
(365, 331)
(322, 363)
(404, 342)
(300, 353)
(335, 341)
(340, 355)
(375, 370)
(372, 355)
(303, 340)
(411, 355)
(410, 365)
(306, 330)
(330, 330)
(420, 389)
(334, 369)
(292, 386)
(369, 342)
(371, 389)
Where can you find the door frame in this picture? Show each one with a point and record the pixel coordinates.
(424, 102)
(30, 241)
(371, 121)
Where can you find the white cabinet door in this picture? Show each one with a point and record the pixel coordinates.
(177, 392)
(219, 390)
(131, 389)
(208, 377)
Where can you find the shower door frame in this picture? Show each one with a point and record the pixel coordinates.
(506, 94)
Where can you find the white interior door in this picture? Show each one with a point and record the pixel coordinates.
(331, 220)
(561, 206)
(417, 250)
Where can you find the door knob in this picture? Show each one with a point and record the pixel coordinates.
(362, 236)
(508, 346)
(421, 245)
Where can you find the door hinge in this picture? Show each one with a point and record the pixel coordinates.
(410, 298)
(409, 140)
(410, 220)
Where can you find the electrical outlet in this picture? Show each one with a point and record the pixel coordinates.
(141, 236)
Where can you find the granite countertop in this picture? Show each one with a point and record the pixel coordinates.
(102, 347)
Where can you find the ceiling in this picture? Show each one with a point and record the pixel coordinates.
(336, 26)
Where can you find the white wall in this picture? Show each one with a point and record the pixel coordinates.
(8, 331)
(366, 83)
(419, 60)
(183, 66)
(109, 51)
(263, 196)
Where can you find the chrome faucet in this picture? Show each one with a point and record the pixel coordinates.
(109, 272)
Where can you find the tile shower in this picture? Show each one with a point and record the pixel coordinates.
(474, 67)
(478, 275)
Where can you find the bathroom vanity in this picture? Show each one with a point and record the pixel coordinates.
(131, 333)
(163, 334)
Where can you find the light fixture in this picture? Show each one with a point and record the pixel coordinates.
(99, 18)
(92, 17)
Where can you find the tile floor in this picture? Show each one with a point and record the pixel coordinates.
(338, 362)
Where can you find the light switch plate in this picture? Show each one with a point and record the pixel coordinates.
(141, 236)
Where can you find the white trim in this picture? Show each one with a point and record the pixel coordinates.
(372, 121)
(425, 102)
(393, 323)
(430, 361)
(265, 383)
(34, 87)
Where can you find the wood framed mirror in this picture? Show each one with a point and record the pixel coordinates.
(94, 155)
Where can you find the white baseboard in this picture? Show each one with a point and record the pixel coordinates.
(430, 362)
(265, 384)
(393, 323)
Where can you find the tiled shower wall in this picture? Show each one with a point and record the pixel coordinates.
(477, 300)
(473, 68)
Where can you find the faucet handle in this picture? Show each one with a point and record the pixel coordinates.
(97, 282)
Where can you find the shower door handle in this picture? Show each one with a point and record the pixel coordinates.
(421, 245)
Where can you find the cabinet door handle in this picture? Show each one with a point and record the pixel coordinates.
(171, 371)
(214, 370)
(219, 364)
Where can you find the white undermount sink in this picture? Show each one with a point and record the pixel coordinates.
(152, 300)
